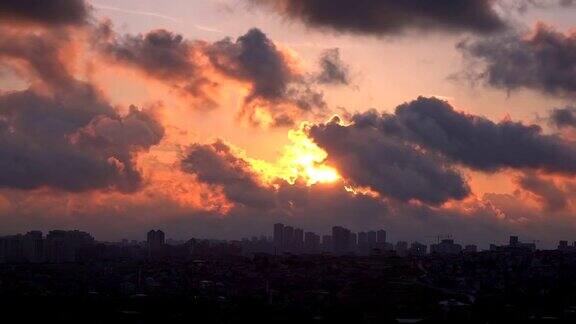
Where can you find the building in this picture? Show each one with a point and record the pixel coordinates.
(401, 248)
(514, 245)
(66, 246)
(155, 241)
(297, 245)
(381, 236)
(327, 243)
(287, 238)
(33, 247)
(446, 246)
(470, 248)
(311, 242)
(417, 249)
(278, 236)
(341, 240)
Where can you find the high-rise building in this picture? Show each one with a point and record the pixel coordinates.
(287, 238)
(155, 241)
(446, 246)
(341, 240)
(362, 241)
(417, 249)
(298, 241)
(311, 242)
(65, 246)
(401, 248)
(327, 243)
(278, 236)
(381, 236)
(353, 243)
(33, 247)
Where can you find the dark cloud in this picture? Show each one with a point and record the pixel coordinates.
(363, 155)
(255, 59)
(69, 141)
(474, 141)
(39, 54)
(334, 71)
(46, 12)
(550, 195)
(544, 60)
(61, 132)
(563, 117)
(159, 54)
(217, 165)
(389, 17)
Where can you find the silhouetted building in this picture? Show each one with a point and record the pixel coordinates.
(33, 247)
(418, 249)
(155, 241)
(287, 238)
(278, 236)
(446, 246)
(470, 248)
(514, 246)
(327, 243)
(311, 242)
(341, 240)
(401, 248)
(298, 241)
(65, 246)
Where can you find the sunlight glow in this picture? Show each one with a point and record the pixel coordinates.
(300, 160)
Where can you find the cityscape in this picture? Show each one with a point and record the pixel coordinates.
(60, 246)
(288, 161)
(291, 275)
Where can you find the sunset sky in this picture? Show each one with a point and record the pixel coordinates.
(219, 118)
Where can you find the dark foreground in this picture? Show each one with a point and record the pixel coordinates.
(486, 287)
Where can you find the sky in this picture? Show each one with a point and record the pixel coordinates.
(219, 118)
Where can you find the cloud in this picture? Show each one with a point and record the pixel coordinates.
(162, 55)
(216, 164)
(50, 13)
(391, 17)
(552, 197)
(543, 60)
(274, 84)
(474, 141)
(393, 168)
(334, 71)
(61, 132)
(563, 117)
(278, 93)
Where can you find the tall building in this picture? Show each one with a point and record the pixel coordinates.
(287, 238)
(311, 242)
(353, 242)
(155, 241)
(298, 241)
(33, 247)
(418, 249)
(446, 246)
(278, 236)
(371, 237)
(362, 241)
(341, 240)
(327, 243)
(381, 236)
(401, 248)
(65, 246)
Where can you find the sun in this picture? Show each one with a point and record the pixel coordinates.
(302, 159)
